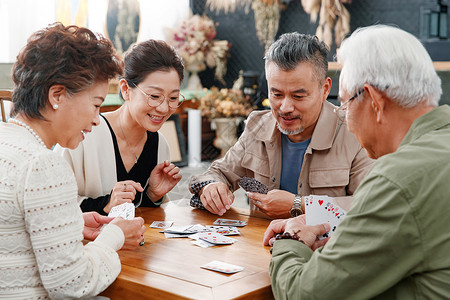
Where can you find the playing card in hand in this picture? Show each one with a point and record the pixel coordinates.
(253, 185)
(321, 209)
(124, 210)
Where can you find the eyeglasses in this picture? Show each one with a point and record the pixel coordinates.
(343, 105)
(155, 99)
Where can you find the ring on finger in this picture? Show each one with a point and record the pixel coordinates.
(124, 187)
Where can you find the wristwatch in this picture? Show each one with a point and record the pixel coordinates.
(296, 209)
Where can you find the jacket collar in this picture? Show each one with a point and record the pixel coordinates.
(322, 137)
(434, 119)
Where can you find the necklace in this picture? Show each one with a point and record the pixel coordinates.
(121, 129)
(20, 123)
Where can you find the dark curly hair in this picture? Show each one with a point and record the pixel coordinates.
(148, 57)
(71, 56)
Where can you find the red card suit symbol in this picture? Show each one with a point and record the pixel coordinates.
(320, 202)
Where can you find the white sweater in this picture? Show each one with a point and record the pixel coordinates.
(41, 224)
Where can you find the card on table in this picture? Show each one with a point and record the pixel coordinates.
(202, 243)
(253, 185)
(321, 209)
(223, 267)
(161, 224)
(215, 238)
(223, 230)
(185, 229)
(124, 210)
(228, 222)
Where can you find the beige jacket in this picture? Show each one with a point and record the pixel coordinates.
(334, 162)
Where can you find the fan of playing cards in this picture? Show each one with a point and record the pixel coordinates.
(321, 209)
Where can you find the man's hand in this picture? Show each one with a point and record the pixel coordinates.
(123, 191)
(275, 227)
(276, 203)
(308, 234)
(216, 197)
(93, 221)
(162, 179)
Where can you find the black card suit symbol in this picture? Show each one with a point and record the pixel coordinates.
(334, 228)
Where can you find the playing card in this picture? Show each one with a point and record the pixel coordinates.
(228, 222)
(169, 235)
(124, 210)
(185, 229)
(161, 224)
(223, 267)
(253, 185)
(223, 230)
(216, 238)
(202, 243)
(321, 209)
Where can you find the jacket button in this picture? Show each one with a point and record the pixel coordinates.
(273, 179)
(271, 144)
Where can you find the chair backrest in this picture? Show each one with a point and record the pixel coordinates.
(5, 95)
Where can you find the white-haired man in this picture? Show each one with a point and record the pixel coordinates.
(394, 241)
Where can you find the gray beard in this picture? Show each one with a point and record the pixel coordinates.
(290, 132)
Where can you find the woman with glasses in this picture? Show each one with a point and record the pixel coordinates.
(125, 159)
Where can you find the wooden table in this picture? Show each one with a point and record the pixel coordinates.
(170, 268)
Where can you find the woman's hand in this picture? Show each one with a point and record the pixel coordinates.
(123, 191)
(133, 230)
(93, 222)
(162, 179)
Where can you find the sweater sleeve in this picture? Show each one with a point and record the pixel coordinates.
(54, 222)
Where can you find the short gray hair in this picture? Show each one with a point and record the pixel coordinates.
(393, 61)
(293, 48)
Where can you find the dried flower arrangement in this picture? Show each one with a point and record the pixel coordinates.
(332, 15)
(194, 41)
(224, 103)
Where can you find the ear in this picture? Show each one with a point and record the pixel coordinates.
(326, 88)
(124, 89)
(56, 93)
(378, 101)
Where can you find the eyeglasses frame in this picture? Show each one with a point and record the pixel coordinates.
(163, 98)
(358, 93)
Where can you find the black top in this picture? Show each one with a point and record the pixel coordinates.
(140, 172)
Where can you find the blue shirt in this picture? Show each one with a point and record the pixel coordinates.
(292, 161)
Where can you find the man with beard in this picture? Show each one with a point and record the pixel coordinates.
(298, 148)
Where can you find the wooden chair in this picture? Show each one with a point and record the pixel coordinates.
(5, 95)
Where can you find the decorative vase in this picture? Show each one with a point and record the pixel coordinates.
(194, 82)
(226, 129)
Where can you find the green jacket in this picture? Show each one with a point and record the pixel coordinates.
(394, 242)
